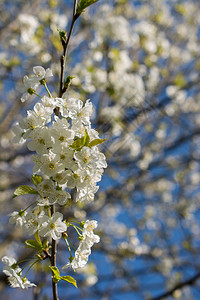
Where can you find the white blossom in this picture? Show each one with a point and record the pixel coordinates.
(88, 233)
(31, 122)
(90, 157)
(66, 157)
(70, 107)
(61, 177)
(40, 73)
(49, 102)
(9, 261)
(84, 249)
(19, 132)
(26, 283)
(52, 227)
(61, 137)
(81, 257)
(33, 221)
(29, 87)
(14, 279)
(18, 218)
(13, 271)
(41, 140)
(50, 164)
(60, 197)
(44, 112)
(46, 188)
(86, 194)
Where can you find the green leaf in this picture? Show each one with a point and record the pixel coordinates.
(96, 142)
(86, 139)
(46, 244)
(63, 36)
(83, 4)
(23, 190)
(79, 143)
(33, 244)
(36, 179)
(68, 81)
(37, 237)
(69, 279)
(56, 274)
(55, 271)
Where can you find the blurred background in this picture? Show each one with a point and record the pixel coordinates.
(139, 63)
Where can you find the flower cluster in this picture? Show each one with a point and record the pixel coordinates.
(84, 248)
(32, 83)
(66, 147)
(36, 220)
(67, 158)
(13, 271)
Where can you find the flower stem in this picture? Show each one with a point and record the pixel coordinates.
(37, 95)
(71, 245)
(76, 228)
(30, 205)
(32, 264)
(68, 247)
(49, 93)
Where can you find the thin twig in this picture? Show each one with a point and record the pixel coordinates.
(65, 47)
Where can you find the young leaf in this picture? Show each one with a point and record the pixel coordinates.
(83, 4)
(55, 271)
(46, 244)
(86, 139)
(23, 190)
(69, 279)
(68, 81)
(37, 237)
(36, 179)
(78, 144)
(33, 244)
(63, 36)
(56, 274)
(96, 142)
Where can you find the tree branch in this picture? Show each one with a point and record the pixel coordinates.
(53, 260)
(180, 285)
